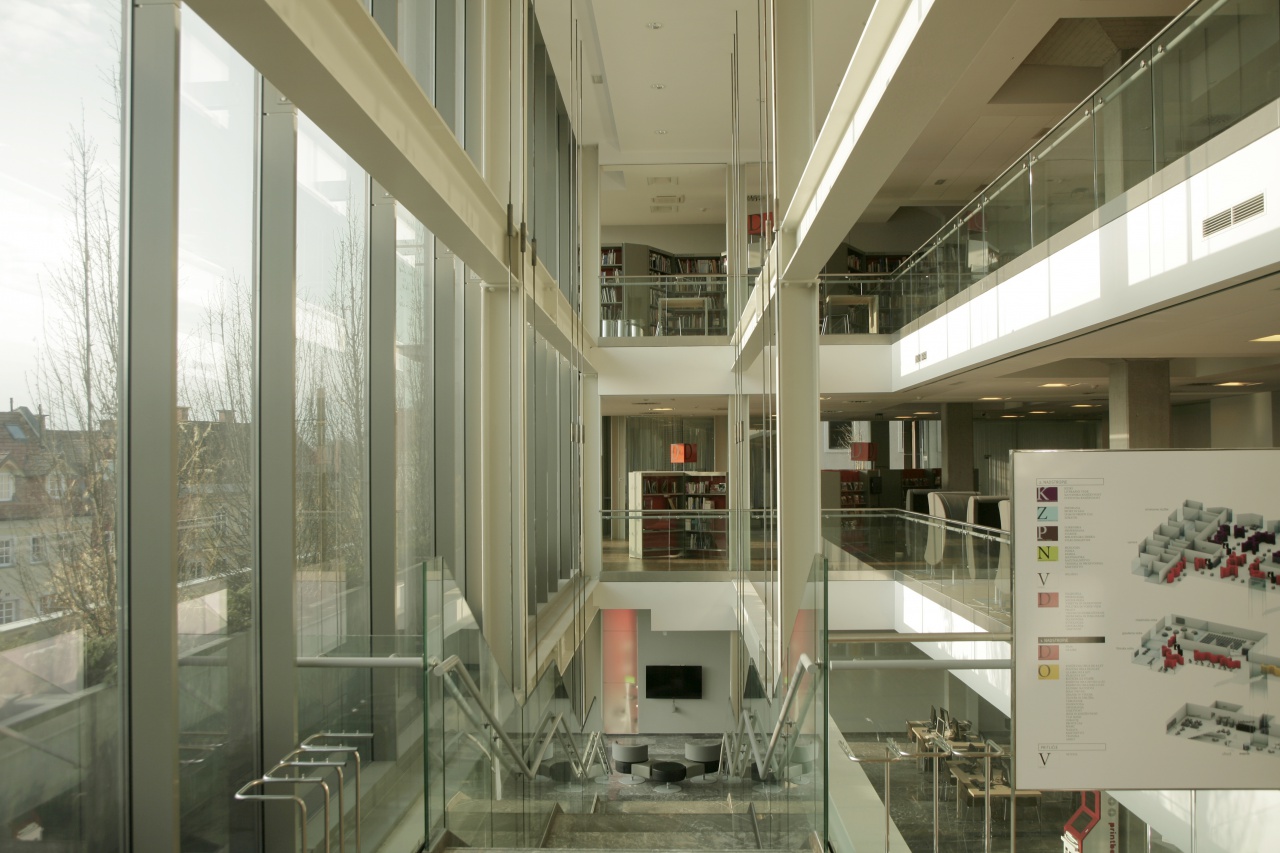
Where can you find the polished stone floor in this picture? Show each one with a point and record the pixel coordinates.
(911, 808)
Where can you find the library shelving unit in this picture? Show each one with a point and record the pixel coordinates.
(685, 294)
(667, 493)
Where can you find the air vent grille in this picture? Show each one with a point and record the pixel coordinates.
(668, 199)
(1217, 222)
(1246, 209)
(662, 208)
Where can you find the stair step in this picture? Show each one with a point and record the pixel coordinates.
(642, 822)
(672, 807)
(655, 841)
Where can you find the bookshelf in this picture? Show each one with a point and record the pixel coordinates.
(687, 492)
(694, 305)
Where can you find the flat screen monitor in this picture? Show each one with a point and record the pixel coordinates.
(673, 682)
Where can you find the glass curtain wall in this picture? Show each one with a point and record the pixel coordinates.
(216, 519)
(331, 444)
(60, 675)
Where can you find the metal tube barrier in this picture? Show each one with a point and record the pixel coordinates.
(309, 745)
(243, 795)
(323, 764)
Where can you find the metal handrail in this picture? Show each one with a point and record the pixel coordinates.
(243, 795)
(454, 665)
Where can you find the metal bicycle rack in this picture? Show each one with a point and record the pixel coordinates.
(319, 745)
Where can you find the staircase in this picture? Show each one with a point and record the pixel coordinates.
(615, 825)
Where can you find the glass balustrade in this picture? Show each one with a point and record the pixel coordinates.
(1212, 67)
(668, 306)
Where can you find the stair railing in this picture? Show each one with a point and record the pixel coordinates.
(551, 728)
(742, 746)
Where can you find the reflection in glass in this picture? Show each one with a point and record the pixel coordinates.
(215, 450)
(332, 600)
(60, 690)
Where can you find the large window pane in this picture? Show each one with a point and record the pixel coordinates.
(332, 604)
(215, 452)
(60, 690)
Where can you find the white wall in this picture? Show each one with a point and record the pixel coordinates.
(676, 239)
(708, 649)
(1189, 426)
(1243, 421)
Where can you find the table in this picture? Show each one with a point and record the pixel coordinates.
(838, 301)
(686, 305)
(975, 790)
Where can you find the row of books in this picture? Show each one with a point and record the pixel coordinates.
(704, 487)
(610, 294)
(702, 266)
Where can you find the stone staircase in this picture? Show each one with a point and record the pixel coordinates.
(608, 825)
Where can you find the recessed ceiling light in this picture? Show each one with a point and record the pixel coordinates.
(1054, 385)
(991, 398)
(902, 417)
(657, 85)
(1082, 405)
(1269, 339)
(1011, 416)
(654, 25)
(926, 413)
(1039, 412)
(661, 132)
(1236, 384)
(661, 409)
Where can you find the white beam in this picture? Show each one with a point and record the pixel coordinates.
(333, 62)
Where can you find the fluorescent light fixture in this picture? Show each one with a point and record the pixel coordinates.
(1039, 412)
(926, 413)
(902, 417)
(661, 409)
(1236, 384)
(988, 399)
(1011, 416)
(1055, 385)
(1082, 405)
(1269, 339)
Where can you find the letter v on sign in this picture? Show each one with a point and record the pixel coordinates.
(1044, 758)
(1044, 578)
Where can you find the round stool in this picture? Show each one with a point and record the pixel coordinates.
(624, 755)
(706, 754)
(562, 772)
(667, 772)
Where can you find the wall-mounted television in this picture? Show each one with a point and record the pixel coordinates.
(673, 682)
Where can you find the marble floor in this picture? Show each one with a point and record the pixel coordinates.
(911, 808)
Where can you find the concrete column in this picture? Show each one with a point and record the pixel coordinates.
(793, 71)
(590, 225)
(148, 453)
(592, 476)
(799, 499)
(957, 447)
(1139, 403)
(502, 425)
(1275, 419)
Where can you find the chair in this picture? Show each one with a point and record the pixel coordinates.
(625, 755)
(668, 773)
(707, 755)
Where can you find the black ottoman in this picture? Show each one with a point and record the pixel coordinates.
(667, 772)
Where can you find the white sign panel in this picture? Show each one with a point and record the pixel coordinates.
(1146, 619)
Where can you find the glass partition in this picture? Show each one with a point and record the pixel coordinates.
(665, 306)
(1214, 65)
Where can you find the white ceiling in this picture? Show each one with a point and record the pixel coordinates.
(662, 195)
(1045, 56)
